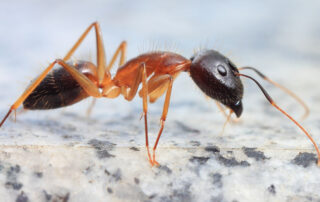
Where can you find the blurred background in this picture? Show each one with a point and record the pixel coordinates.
(35, 31)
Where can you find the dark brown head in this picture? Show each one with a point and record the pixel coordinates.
(215, 76)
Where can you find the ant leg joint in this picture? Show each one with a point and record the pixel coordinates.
(95, 23)
(59, 61)
(142, 64)
(123, 43)
(162, 120)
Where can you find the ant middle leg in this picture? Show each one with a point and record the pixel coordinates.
(122, 50)
(91, 106)
(101, 57)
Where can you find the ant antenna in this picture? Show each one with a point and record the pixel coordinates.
(282, 111)
(286, 90)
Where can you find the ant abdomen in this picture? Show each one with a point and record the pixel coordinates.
(59, 89)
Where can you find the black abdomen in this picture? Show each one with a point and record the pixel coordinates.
(58, 89)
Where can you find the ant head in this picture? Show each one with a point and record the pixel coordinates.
(216, 77)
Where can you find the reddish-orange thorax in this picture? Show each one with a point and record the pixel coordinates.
(155, 62)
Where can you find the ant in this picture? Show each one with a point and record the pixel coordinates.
(214, 74)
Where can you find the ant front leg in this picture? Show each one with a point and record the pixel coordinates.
(83, 81)
(227, 116)
(222, 109)
(226, 122)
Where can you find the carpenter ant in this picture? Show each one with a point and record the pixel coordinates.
(214, 74)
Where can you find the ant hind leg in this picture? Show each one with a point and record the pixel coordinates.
(101, 64)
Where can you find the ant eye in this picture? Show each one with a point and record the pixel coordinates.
(222, 70)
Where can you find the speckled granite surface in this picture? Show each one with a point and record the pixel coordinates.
(62, 155)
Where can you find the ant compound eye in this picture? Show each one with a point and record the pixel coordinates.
(222, 70)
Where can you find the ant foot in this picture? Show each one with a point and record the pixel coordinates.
(155, 163)
(149, 156)
(151, 162)
(235, 121)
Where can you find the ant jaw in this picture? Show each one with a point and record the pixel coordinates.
(237, 108)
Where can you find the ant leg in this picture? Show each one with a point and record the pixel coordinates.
(129, 95)
(157, 86)
(145, 109)
(89, 110)
(286, 90)
(18, 112)
(122, 49)
(83, 81)
(101, 57)
(226, 122)
(101, 63)
(140, 77)
(220, 107)
(168, 83)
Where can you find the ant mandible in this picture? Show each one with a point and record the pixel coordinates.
(214, 74)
